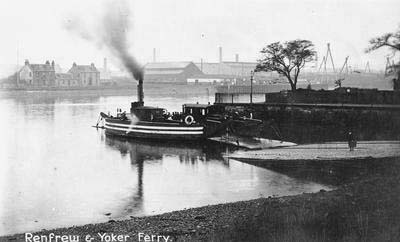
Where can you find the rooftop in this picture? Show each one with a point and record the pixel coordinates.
(196, 105)
(148, 108)
(41, 67)
(84, 68)
(167, 65)
(227, 68)
(163, 72)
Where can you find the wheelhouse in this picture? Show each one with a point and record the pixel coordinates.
(146, 113)
(201, 111)
(198, 111)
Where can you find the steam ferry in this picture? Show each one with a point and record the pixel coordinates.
(195, 122)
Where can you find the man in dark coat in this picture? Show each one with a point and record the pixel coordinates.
(351, 141)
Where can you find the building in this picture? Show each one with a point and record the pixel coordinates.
(170, 72)
(234, 72)
(209, 68)
(38, 75)
(210, 79)
(105, 73)
(86, 75)
(66, 80)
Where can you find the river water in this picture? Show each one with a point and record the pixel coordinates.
(56, 170)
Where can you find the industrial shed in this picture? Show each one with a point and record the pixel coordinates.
(170, 72)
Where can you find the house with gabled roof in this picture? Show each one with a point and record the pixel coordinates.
(39, 75)
(86, 75)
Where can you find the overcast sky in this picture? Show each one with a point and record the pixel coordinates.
(194, 29)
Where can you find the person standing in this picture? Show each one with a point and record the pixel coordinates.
(351, 140)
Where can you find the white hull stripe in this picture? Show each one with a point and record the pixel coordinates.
(215, 121)
(154, 127)
(127, 130)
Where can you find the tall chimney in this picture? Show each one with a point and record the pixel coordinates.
(154, 54)
(140, 93)
(105, 64)
(237, 57)
(220, 54)
(201, 64)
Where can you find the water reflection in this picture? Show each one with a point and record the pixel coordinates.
(187, 152)
(176, 175)
(152, 152)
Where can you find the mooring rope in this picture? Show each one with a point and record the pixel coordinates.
(98, 121)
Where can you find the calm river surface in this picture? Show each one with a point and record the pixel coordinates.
(56, 170)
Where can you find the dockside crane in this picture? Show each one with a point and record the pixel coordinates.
(325, 60)
(345, 65)
(338, 81)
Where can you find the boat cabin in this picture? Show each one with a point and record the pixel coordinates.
(147, 113)
(199, 111)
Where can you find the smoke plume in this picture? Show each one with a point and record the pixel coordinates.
(112, 30)
(116, 26)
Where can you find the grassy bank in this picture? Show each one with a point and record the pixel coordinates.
(366, 208)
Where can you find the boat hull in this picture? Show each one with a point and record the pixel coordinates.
(153, 130)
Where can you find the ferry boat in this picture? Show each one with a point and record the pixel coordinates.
(195, 122)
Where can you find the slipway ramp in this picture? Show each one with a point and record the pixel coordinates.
(251, 143)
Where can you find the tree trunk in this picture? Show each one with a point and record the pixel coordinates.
(293, 86)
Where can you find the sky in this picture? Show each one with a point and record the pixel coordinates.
(188, 30)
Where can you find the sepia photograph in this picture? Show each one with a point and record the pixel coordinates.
(199, 120)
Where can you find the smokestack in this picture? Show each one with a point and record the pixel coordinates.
(220, 54)
(140, 93)
(154, 54)
(201, 64)
(237, 57)
(105, 64)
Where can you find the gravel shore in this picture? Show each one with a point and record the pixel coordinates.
(365, 209)
(330, 151)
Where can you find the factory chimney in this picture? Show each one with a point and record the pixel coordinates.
(105, 64)
(154, 54)
(220, 54)
(201, 64)
(237, 57)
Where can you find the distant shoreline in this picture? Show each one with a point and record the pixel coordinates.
(102, 87)
(150, 90)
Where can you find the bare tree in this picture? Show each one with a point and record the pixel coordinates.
(286, 58)
(391, 40)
